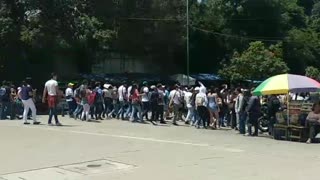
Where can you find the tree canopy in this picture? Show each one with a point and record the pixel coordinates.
(222, 32)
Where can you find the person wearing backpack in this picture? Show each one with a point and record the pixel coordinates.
(201, 107)
(5, 100)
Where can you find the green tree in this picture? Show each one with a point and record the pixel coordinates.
(258, 62)
(313, 72)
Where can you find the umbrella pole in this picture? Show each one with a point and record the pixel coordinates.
(288, 109)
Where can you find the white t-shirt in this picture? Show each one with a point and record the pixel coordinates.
(176, 95)
(122, 91)
(69, 92)
(187, 98)
(145, 97)
(51, 87)
(129, 90)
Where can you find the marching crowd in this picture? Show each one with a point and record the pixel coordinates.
(197, 106)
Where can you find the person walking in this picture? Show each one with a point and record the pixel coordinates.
(240, 111)
(175, 103)
(26, 95)
(107, 94)
(136, 101)
(85, 93)
(201, 106)
(213, 107)
(189, 104)
(254, 111)
(160, 105)
(122, 94)
(70, 99)
(50, 93)
(145, 99)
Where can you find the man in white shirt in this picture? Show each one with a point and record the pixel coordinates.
(175, 101)
(190, 107)
(50, 93)
(122, 93)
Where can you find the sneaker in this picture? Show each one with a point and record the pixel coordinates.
(36, 123)
(175, 124)
(58, 124)
(50, 124)
(163, 122)
(26, 123)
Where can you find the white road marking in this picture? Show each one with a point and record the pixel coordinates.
(232, 150)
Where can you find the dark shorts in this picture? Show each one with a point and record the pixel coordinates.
(52, 101)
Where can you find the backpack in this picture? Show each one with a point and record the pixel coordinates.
(99, 97)
(200, 100)
(92, 98)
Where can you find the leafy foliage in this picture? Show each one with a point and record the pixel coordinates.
(83, 32)
(255, 63)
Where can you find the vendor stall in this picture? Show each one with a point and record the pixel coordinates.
(290, 121)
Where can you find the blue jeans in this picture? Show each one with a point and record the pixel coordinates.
(5, 110)
(53, 113)
(136, 108)
(242, 122)
(77, 112)
(129, 109)
(122, 110)
(71, 106)
(190, 114)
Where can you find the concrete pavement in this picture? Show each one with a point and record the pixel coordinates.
(121, 150)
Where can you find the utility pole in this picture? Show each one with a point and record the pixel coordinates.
(188, 51)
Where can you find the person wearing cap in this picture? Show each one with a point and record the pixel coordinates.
(145, 99)
(70, 99)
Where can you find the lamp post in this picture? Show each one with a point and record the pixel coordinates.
(188, 51)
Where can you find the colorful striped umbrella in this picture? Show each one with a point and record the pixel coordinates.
(285, 83)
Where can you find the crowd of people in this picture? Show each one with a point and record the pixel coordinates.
(196, 106)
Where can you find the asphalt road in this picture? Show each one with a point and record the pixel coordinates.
(114, 149)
